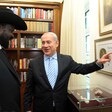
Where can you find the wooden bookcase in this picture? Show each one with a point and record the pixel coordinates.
(40, 18)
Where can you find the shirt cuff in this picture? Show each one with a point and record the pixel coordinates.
(99, 65)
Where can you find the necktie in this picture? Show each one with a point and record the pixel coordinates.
(51, 72)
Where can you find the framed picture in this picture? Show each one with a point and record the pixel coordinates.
(105, 17)
(103, 46)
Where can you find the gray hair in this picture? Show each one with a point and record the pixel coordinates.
(51, 33)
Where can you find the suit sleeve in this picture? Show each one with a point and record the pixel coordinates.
(79, 68)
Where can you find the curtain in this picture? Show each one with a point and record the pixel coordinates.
(73, 36)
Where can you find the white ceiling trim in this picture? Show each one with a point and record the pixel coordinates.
(57, 1)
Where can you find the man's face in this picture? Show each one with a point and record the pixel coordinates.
(6, 34)
(49, 45)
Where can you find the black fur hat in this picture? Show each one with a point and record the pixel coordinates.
(8, 17)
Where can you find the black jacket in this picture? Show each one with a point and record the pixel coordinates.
(9, 86)
(38, 86)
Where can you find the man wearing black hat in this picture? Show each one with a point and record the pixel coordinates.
(9, 79)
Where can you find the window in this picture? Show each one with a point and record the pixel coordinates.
(87, 44)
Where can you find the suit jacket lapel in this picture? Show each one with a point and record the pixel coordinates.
(4, 58)
(42, 70)
(60, 65)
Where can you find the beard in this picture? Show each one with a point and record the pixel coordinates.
(5, 36)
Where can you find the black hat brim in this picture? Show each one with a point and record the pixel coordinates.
(13, 19)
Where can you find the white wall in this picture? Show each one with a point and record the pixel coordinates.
(97, 78)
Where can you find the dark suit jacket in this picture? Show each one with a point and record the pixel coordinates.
(38, 86)
(9, 86)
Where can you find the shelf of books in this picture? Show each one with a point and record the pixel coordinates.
(25, 45)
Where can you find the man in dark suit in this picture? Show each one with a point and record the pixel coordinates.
(9, 79)
(51, 95)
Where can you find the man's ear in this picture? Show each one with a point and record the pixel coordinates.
(57, 43)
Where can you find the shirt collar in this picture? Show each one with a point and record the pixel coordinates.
(0, 47)
(54, 56)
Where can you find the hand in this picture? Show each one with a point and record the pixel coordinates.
(105, 58)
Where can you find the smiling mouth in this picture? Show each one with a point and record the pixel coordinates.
(46, 50)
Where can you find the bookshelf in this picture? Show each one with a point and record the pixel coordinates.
(40, 18)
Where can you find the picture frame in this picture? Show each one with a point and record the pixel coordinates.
(105, 17)
(103, 46)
